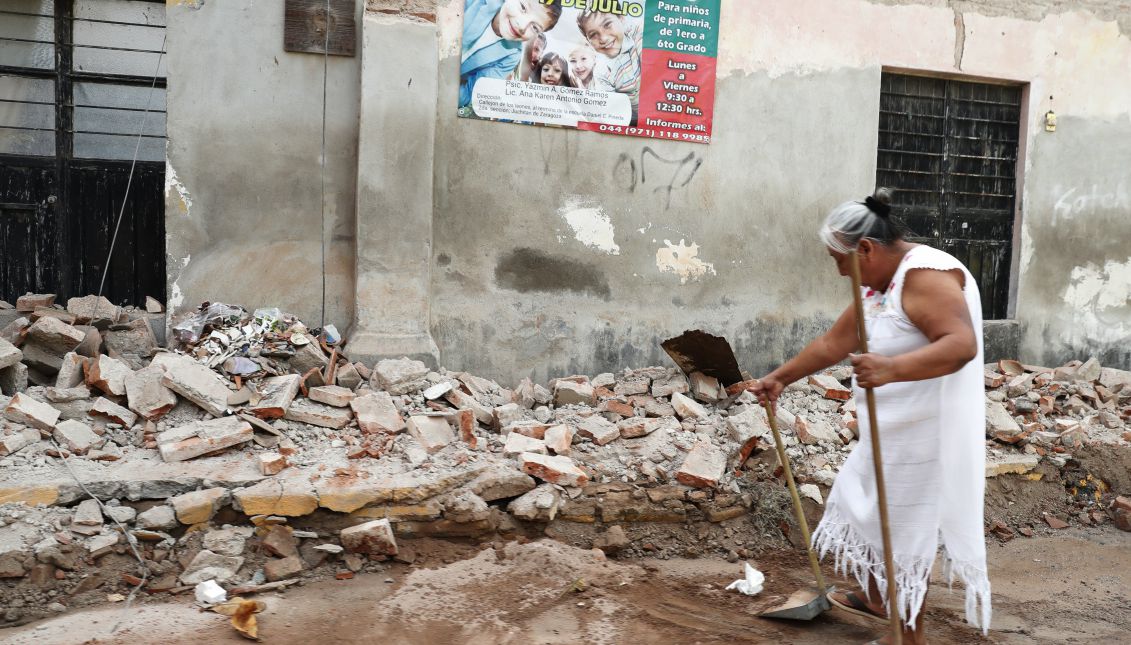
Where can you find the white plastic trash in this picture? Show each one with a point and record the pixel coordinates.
(751, 584)
(210, 593)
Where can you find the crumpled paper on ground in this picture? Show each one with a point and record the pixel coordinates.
(751, 584)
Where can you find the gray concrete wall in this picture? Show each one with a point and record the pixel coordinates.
(243, 196)
(534, 251)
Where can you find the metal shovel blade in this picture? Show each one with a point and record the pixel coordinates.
(804, 604)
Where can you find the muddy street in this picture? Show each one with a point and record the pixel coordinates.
(1071, 587)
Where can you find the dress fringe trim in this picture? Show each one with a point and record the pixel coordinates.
(852, 554)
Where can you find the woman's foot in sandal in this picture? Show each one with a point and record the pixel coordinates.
(857, 603)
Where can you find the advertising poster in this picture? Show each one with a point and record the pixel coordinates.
(642, 68)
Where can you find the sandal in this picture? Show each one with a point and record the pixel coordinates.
(857, 606)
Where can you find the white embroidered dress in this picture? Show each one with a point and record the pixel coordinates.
(932, 434)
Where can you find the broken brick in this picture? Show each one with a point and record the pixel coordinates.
(108, 374)
(688, 409)
(376, 413)
(556, 470)
(200, 505)
(76, 437)
(333, 395)
(1055, 522)
(147, 395)
(17, 441)
(108, 409)
(194, 382)
(463, 400)
(272, 463)
(706, 388)
(277, 393)
(558, 439)
(316, 414)
(202, 437)
(370, 538)
(517, 444)
(9, 354)
(616, 406)
(432, 432)
(829, 387)
(30, 412)
(703, 466)
(598, 430)
(93, 310)
(31, 301)
(399, 376)
(283, 568)
(573, 393)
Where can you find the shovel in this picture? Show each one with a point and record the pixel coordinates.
(698, 351)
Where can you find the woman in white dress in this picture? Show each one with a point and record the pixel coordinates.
(924, 320)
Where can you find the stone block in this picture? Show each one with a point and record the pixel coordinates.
(316, 414)
(559, 438)
(72, 371)
(272, 463)
(538, 505)
(370, 538)
(29, 302)
(277, 496)
(703, 466)
(829, 387)
(108, 375)
(399, 375)
(13, 379)
(93, 310)
(66, 395)
(686, 408)
(556, 470)
(158, 518)
(196, 383)
(332, 395)
(376, 412)
(147, 394)
(282, 569)
(107, 409)
(30, 412)
(200, 505)
(40, 359)
(18, 440)
(433, 432)
(211, 566)
(277, 395)
(202, 437)
(9, 354)
(54, 335)
(573, 393)
(598, 430)
(517, 443)
(76, 437)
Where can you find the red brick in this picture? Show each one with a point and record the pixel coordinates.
(829, 387)
(556, 470)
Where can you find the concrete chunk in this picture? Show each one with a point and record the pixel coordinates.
(333, 395)
(54, 335)
(199, 505)
(559, 438)
(29, 302)
(272, 463)
(370, 538)
(206, 436)
(687, 408)
(108, 374)
(464, 401)
(105, 408)
(703, 467)
(76, 437)
(17, 441)
(517, 444)
(539, 505)
(556, 470)
(93, 310)
(147, 394)
(598, 430)
(377, 413)
(9, 354)
(316, 414)
(66, 395)
(196, 383)
(706, 388)
(72, 371)
(87, 513)
(751, 422)
(278, 394)
(399, 375)
(572, 393)
(29, 412)
(433, 433)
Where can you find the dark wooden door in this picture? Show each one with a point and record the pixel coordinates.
(949, 149)
(82, 115)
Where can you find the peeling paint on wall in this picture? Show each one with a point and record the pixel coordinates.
(591, 225)
(176, 297)
(1101, 296)
(172, 183)
(683, 260)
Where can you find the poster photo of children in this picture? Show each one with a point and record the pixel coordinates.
(553, 62)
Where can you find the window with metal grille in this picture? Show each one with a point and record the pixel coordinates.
(949, 149)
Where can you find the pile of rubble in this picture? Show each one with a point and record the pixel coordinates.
(254, 418)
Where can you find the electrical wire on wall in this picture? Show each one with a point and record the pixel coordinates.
(322, 159)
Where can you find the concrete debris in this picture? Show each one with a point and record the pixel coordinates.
(517, 443)
(104, 408)
(703, 467)
(399, 376)
(370, 538)
(377, 413)
(30, 412)
(432, 432)
(538, 505)
(17, 441)
(332, 395)
(76, 437)
(555, 470)
(573, 393)
(9, 354)
(147, 394)
(202, 437)
(158, 518)
(211, 566)
(199, 506)
(31, 301)
(316, 414)
(196, 383)
(277, 394)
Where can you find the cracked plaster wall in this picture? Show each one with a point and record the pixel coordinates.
(243, 214)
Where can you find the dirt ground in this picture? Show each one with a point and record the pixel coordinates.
(1071, 587)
